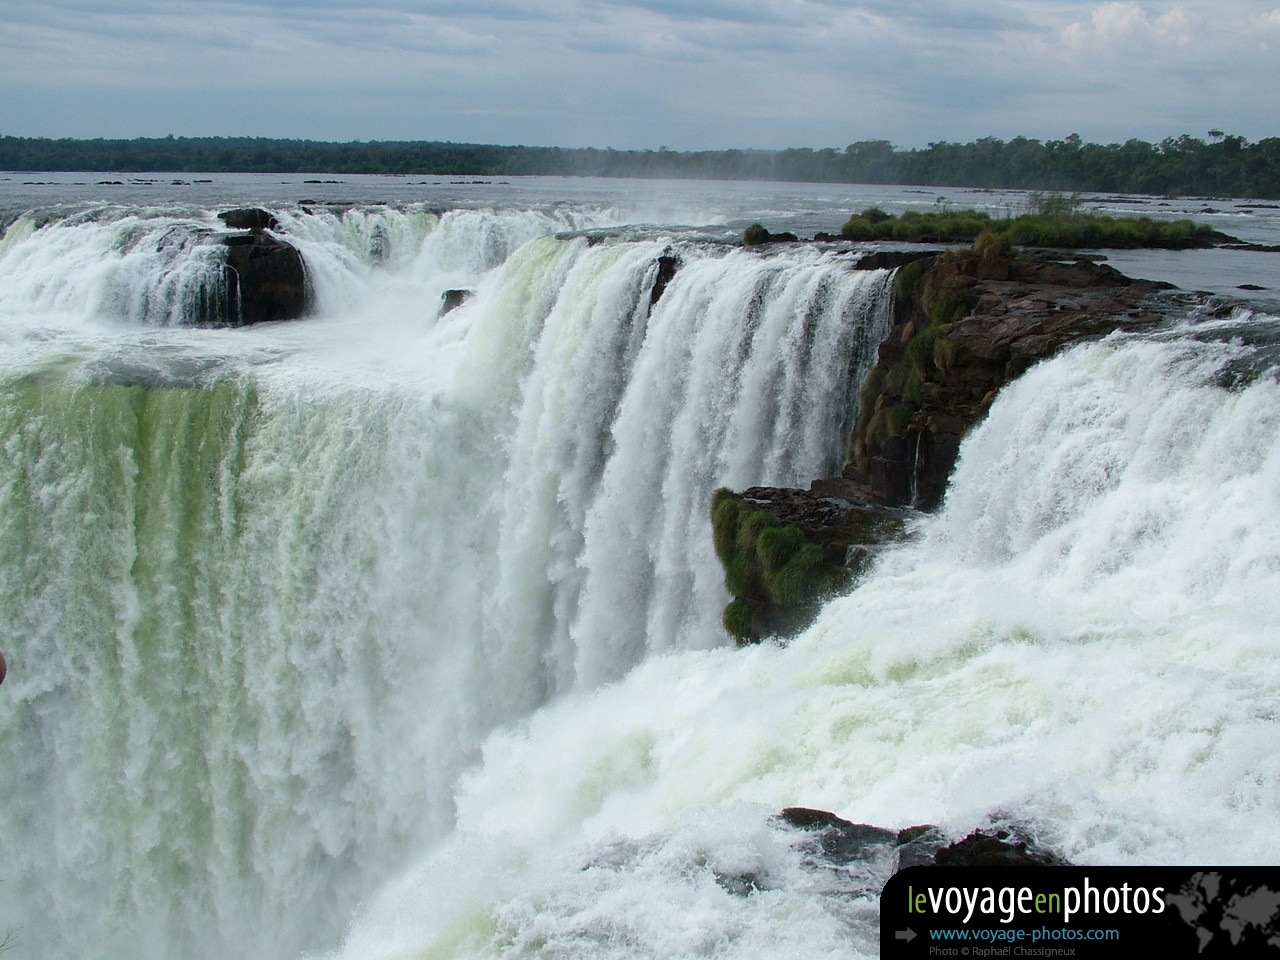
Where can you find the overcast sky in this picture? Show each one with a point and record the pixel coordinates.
(685, 74)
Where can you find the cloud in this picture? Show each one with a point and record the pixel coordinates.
(1126, 25)
(1109, 24)
(1113, 20)
(686, 73)
(750, 12)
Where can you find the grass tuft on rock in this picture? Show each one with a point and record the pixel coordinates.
(1051, 221)
(777, 575)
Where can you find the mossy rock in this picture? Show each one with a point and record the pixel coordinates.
(931, 297)
(779, 571)
(738, 618)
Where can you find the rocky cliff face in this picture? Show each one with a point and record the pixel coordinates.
(966, 323)
(785, 551)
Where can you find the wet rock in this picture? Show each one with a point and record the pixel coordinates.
(667, 266)
(786, 551)
(250, 218)
(267, 279)
(965, 326)
(452, 299)
(837, 514)
(756, 235)
(265, 276)
(917, 846)
(996, 848)
(892, 259)
(841, 843)
(838, 840)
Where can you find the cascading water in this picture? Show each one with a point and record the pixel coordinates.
(1082, 642)
(265, 592)
(141, 266)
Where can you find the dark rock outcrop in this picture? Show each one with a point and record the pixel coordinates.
(667, 265)
(892, 259)
(755, 235)
(785, 551)
(250, 218)
(848, 861)
(998, 848)
(966, 325)
(452, 299)
(265, 276)
(836, 514)
(838, 842)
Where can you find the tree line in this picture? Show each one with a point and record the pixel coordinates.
(1223, 165)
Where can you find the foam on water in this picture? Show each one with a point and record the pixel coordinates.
(266, 591)
(1081, 642)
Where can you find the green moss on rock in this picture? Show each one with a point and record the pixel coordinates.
(737, 619)
(931, 297)
(777, 575)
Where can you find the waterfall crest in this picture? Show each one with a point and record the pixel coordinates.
(266, 591)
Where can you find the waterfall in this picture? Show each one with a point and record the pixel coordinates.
(265, 592)
(1081, 643)
(142, 266)
(393, 631)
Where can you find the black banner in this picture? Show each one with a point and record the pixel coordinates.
(1085, 912)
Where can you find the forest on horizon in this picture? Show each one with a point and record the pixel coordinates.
(1223, 165)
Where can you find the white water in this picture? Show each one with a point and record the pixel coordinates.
(265, 592)
(386, 634)
(1082, 642)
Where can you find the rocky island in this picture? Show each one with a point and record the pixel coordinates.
(966, 322)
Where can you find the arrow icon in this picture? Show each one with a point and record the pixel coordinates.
(907, 935)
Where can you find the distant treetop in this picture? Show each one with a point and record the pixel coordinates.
(1225, 166)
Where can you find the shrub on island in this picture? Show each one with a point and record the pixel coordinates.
(1051, 221)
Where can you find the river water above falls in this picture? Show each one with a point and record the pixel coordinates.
(395, 632)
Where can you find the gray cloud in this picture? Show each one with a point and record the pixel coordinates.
(639, 73)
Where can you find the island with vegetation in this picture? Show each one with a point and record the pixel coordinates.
(1223, 165)
(967, 320)
(1052, 220)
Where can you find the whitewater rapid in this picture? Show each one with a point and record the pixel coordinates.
(1081, 643)
(265, 592)
(394, 632)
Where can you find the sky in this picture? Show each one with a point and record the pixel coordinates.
(641, 74)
